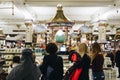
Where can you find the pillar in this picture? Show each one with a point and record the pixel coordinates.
(102, 33)
(29, 33)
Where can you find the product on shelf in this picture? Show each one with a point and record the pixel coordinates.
(8, 55)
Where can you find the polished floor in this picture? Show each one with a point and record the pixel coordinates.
(110, 74)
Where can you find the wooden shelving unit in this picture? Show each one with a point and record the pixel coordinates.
(8, 55)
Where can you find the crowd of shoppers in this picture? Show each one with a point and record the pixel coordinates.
(51, 68)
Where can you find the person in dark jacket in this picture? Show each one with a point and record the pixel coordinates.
(112, 58)
(84, 61)
(27, 69)
(117, 60)
(56, 62)
(81, 61)
(97, 62)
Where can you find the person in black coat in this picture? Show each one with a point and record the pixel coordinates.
(56, 62)
(97, 61)
(117, 60)
(84, 61)
(81, 61)
(112, 58)
(27, 69)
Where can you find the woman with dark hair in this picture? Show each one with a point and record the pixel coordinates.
(56, 63)
(27, 69)
(97, 62)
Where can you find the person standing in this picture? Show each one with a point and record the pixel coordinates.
(27, 69)
(84, 62)
(97, 61)
(15, 62)
(54, 61)
(117, 60)
(112, 58)
(80, 68)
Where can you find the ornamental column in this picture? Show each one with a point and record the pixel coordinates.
(102, 33)
(29, 33)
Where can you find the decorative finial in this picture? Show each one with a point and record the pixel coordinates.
(59, 6)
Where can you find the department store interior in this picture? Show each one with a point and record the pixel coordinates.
(34, 23)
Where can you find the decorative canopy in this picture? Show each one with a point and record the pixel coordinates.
(40, 29)
(85, 29)
(60, 19)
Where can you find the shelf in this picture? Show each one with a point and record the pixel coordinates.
(5, 66)
(10, 53)
(8, 59)
(2, 49)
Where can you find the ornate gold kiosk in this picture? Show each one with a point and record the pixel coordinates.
(58, 25)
